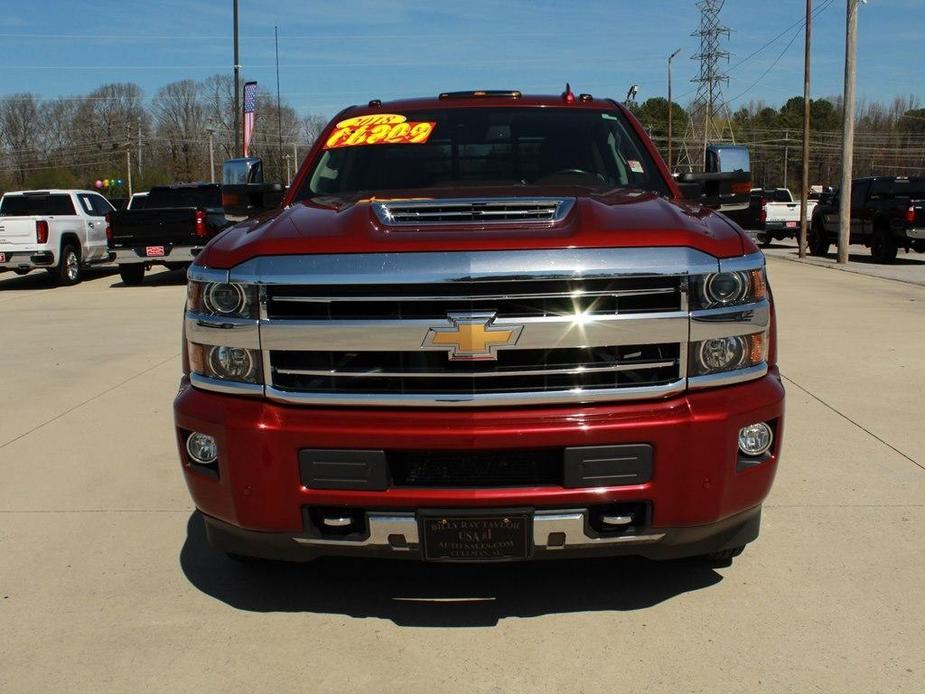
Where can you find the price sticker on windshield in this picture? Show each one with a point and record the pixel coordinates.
(379, 129)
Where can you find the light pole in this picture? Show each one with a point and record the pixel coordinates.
(238, 146)
(670, 109)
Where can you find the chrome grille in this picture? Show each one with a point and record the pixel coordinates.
(508, 300)
(469, 211)
(521, 371)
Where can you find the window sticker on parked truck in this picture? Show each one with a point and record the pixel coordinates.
(379, 129)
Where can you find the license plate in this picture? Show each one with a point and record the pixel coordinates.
(467, 538)
(2, 257)
(791, 225)
(154, 251)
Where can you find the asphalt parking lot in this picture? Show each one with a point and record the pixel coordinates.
(107, 585)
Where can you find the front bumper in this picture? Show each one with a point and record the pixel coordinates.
(697, 479)
(172, 254)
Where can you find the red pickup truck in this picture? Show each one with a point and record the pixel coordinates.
(482, 327)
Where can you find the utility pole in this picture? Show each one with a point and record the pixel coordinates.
(804, 195)
(238, 145)
(128, 169)
(670, 109)
(295, 156)
(844, 212)
(288, 174)
(211, 157)
(139, 148)
(786, 157)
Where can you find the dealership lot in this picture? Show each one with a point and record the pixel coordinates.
(106, 583)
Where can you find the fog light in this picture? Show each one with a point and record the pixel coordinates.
(202, 448)
(755, 439)
(231, 362)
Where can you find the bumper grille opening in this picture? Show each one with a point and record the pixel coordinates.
(495, 468)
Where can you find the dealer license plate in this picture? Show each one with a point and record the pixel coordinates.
(467, 538)
(791, 225)
(154, 251)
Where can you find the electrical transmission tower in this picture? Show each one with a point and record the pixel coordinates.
(709, 115)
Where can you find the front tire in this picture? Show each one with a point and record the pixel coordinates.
(132, 274)
(68, 272)
(818, 241)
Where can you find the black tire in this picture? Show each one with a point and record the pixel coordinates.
(132, 274)
(69, 270)
(818, 241)
(883, 246)
(723, 557)
(763, 239)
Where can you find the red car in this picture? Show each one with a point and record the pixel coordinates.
(482, 327)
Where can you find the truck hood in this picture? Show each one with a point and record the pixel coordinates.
(610, 219)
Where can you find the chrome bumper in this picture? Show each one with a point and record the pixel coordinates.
(552, 530)
(916, 234)
(177, 254)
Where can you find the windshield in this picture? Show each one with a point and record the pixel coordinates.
(483, 146)
(37, 205)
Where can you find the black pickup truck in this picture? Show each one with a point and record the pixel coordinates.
(887, 213)
(174, 224)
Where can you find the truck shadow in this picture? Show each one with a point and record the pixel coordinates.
(157, 278)
(39, 279)
(416, 594)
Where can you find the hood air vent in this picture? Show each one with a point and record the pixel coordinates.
(473, 211)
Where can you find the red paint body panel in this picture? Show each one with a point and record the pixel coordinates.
(694, 438)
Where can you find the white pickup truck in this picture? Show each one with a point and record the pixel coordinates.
(61, 231)
(781, 215)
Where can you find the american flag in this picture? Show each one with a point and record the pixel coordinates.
(250, 107)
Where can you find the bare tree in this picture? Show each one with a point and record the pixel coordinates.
(180, 122)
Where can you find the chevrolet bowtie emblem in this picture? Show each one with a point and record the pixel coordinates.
(472, 337)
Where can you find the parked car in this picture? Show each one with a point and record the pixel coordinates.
(62, 231)
(750, 218)
(781, 215)
(483, 326)
(887, 213)
(169, 228)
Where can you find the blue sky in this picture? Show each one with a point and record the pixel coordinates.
(338, 53)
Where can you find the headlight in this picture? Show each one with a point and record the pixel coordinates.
(729, 288)
(225, 363)
(230, 299)
(721, 354)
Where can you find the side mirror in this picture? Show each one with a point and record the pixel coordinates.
(723, 191)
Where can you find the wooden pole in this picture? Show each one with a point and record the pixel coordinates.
(851, 48)
(804, 195)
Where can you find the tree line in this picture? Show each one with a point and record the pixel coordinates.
(889, 138)
(72, 142)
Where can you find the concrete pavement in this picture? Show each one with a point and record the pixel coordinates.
(106, 584)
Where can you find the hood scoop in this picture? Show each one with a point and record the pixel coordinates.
(539, 210)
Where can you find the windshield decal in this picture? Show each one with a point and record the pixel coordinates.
(379, 129)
